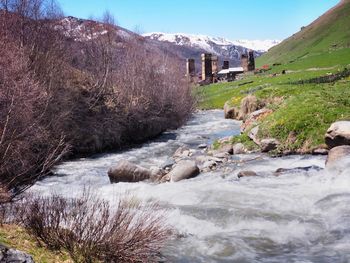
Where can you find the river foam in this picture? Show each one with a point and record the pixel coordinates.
(301, 216)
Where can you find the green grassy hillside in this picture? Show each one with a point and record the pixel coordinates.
(313, 93)
(325, 42)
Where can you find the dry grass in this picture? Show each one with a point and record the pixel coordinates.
(18, 238)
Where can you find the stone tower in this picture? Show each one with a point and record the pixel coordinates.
(226, 64)
(214, 68)
(206, 67)
(190, 68)
(244, 61)
(251, 60)
(215, 64)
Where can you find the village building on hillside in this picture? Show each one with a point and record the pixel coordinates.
(210, 68)
(229, 74)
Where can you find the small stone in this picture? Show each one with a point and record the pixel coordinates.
(202, 146)
(320, 151)
(221, 155)
(239, 148)
(268, 145)
(247, 174)
(168, 163)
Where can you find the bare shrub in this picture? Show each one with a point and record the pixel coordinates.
(88, 96)
(90, 229)
(27, 150)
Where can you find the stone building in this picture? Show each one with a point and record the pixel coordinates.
(190, 69)
(207, 70)
(248, 61)
(229, 74)
(210, 68)
(251, 60)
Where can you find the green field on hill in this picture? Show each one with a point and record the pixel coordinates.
(306, 100)
(304, 109)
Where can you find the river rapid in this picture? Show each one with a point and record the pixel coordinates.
(300, 216)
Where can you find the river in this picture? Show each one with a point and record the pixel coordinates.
(300, 216)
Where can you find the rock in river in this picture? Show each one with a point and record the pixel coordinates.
(247, 174)
(184, 170)
(128, 172)
(338, 134)
(338, 157)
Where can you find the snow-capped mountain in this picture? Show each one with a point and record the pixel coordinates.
(259, 45)
(192, 46)
(207, 42)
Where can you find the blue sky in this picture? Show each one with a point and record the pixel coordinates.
(232, 19)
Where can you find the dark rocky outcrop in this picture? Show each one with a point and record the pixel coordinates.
(128, 172)
(338, 134)
(8, 255)
(184, 170)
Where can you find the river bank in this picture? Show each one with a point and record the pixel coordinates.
(295, 109)
(297, 216)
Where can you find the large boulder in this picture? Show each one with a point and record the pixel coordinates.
(248, 105)
(8, 255)
(128, 172)
(338, 134)
(338, 156)
(230, 111)
(268, 145)
(185, 169)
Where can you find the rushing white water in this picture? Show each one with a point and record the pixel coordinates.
(300, 216)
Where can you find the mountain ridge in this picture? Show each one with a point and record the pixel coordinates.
(257, 45)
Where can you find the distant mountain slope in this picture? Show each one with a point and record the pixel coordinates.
(186, 46)
(325, 42)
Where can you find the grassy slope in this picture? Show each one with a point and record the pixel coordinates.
(308, 110)
(18, 238)
(322, 43)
